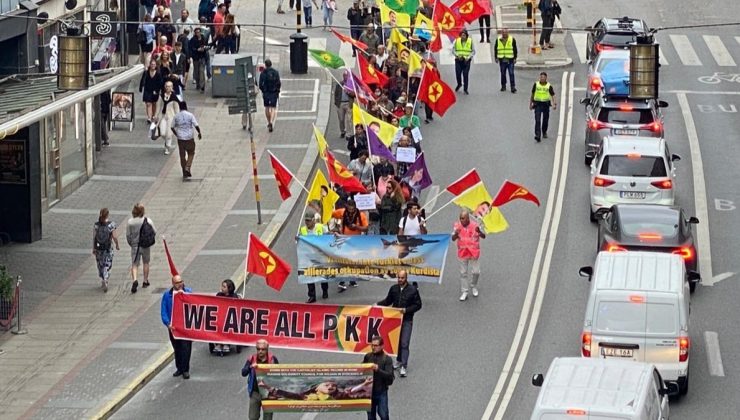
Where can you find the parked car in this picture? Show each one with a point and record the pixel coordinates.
(613, 33)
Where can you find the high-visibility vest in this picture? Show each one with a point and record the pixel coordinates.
(463, 50)
(318, 230)
(468, 242)
(505, 50)
(542, 92)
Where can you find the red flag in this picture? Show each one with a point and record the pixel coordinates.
(466, 181)
(339, 174)
(173, 269)
(436, 93)
(263, 262)
(510, 191)
(369, 73)
(471, 10)
(344, 38)
(282, 176)
(448, 20)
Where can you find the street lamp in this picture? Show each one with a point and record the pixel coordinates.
(74, 58)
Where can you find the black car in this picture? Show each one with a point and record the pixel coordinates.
(648, 227)
(611, 33)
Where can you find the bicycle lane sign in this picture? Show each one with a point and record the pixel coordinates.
(719, 77)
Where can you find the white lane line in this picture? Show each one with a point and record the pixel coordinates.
(345, 52)
(661, 58)
(719, 51)
(222, 252)
(288, 146)
(526, 305)
(685, 51)
(316, 44)
(677, 91)
(429, 205)
(737, 38)
(700, 193)
(579, 39)
(714, 357)
(445, 54)
(544, 275)
(483, 54)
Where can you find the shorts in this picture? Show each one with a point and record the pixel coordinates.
(143, 254)
(270, 99)
(147, 48)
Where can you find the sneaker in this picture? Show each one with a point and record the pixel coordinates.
(396, 365)
(226, 348)
(217, 348)
(177, 373)
(353, 284)
(311, 300)
(537, 139)
(544, 134)
(475, 292)
(463, 296)
(105, 286)
(166, 151)
(402, 373)
(503, 88)
(513, 90)
(186, 375)
(341, 288)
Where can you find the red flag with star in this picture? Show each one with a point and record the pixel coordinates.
(282, 176)
(369, 73)
(339, 174)
(436, 93)
(263, 262)
(510, 191)
(471, 10)
(448, 21)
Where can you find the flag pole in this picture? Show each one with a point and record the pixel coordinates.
(433, 199)
(443, 191)
(364, 123)
(288, 170)
(246, 266)
(440, 209)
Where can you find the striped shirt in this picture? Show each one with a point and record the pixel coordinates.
(183, 124)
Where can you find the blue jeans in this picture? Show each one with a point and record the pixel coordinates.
(462, 68)
(307, 16)
(379, 407)
(405, 342)
(507, 66)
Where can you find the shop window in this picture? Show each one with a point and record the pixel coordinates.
(72, 143)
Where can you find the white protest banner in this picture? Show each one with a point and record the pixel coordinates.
(365, 201)
(416, 133)
(406, 154)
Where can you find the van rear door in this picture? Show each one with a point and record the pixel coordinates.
(662, 329)
(619, 327)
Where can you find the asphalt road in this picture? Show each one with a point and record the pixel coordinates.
(473, 359)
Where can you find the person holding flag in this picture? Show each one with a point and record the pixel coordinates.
(463, 50)
(310, 227)
(468, 234)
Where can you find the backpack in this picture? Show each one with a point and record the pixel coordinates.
(147, 236)
(141, 36)
(103, 238)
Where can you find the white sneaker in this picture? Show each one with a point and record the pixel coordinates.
(402, 372)
(475, 292)
(166, 151)
(396, 365)
(464, 296)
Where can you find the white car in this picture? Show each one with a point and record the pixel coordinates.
(628, 169)
(615, 60)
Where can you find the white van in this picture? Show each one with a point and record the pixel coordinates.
(600, 389)
(638, 309)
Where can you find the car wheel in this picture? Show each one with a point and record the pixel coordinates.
(586, 160)
(685, 388)
(591, 215)
(692, 286)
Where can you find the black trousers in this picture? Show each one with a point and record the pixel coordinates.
(182, 350)
(312, 289)
(541, 117)
(485, 28)
(548, 21)
(462, 68)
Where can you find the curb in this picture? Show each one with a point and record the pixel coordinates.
(273, 229)
(548, 64)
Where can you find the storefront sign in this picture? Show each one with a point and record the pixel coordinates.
(101, 25)
(13, 162)
(122, 107)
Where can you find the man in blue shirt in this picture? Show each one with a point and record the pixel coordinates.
(182, 348)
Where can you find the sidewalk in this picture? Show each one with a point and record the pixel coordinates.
(85, 351)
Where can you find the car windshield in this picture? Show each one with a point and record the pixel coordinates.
(622, 38)
(634, 224)
(642, 166)
(604, 62)
(624, 116)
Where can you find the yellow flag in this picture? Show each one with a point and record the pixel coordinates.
(414, 62)
(396, 39)
(423, 27)
(325, 196)
(478, 201)
(392, 18)
(323, 145)
(384, 130)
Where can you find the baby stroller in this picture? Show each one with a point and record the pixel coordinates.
(228, 290)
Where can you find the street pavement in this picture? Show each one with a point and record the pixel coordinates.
(474, 359)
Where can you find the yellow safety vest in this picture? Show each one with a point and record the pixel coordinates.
(463, 50)
(505, 50)
(542, 92)
(319, 229)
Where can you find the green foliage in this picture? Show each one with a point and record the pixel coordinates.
(6, 284)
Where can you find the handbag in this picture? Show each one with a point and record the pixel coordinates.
(141, 36)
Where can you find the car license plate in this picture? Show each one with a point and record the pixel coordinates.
(616, 352)
(635, 195)
(626, 131)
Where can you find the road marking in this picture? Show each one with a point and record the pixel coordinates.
(661, 58)
(580, 39)
(288, 146)
(700, 191)
(222, 252)
(296, 118)
(309, 416)
(483, 54)
(268, 40)
(714, 357)
(345, 52)
(52, 250)
(250, 212)
(680, 91)
(123, 178)
(685, 51)
(313, 93)
(547, 228)
(718, 50)
(316, 44)
(718, 278)
(136, 145)
(445, 54)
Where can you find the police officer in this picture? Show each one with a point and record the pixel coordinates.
(505, 53)
(543, 95)
(311, 227)
(463, 50)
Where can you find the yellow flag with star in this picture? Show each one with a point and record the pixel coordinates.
(478, 201)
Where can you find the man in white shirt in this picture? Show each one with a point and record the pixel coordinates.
(185, 22)
(380, 56)
(412, 223)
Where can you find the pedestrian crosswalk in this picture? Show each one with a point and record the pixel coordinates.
(687, 50)
(483, 52)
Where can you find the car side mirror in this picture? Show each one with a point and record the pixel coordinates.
(663, 391)
(602, 213)
(586, 272)
(693, 276)
(538, 379)
(671, 388)
(590, 155)
(662, 104)
(675, 158)
(584, 101)
(693, 220)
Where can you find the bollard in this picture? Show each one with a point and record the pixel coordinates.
(298, 49)
(18, 328)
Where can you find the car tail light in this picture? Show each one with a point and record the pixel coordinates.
(602, 182)
(654, 126)
(633, 155)
(575, 412)
(595, 83)
(586, 344)
(614, 248)
(683, 348)
(625, 108)
(637, 299)
(602, 47)
(685, 252)
(665, 184)
(597, 125)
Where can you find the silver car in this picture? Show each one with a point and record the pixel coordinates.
(628, 169)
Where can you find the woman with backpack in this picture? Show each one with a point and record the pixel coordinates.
(104, 235)
(140, 235)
